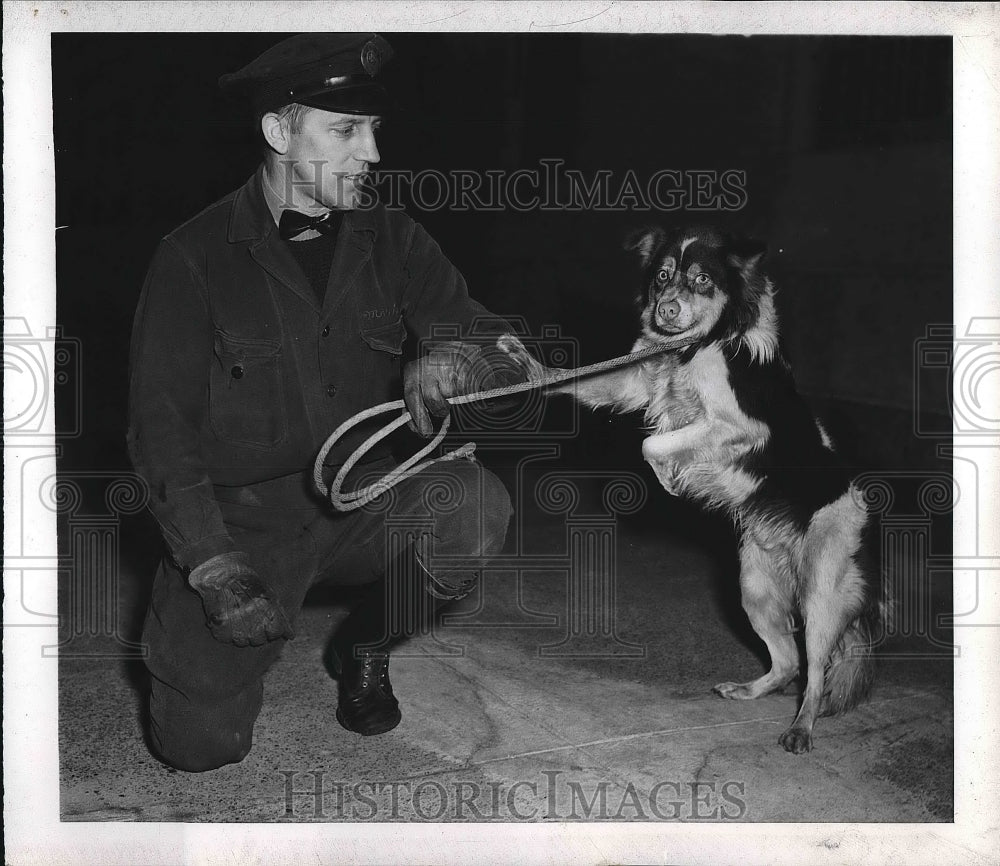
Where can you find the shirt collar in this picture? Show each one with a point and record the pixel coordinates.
(276, 204)
(252, 218)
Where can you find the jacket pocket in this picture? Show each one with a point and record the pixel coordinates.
(381, 365)
(386, 338)
(247, 403)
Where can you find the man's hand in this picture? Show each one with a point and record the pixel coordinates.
(448, 370)
(239, 608)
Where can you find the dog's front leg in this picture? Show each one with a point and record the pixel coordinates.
(624, 389)
(670, 446)
(512, 346)
(706, 439)
(666, 453)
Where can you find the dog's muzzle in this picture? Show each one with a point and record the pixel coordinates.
(668, 311)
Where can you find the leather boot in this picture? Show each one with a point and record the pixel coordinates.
(391, 610)
(366, 703)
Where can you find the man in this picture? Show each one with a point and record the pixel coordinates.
(265, 322)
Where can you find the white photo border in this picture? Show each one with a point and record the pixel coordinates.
(33, 831)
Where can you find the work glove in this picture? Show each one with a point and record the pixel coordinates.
(452, 369)
(239, 608)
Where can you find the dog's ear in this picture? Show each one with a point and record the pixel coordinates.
(746, 255)
(747, 284)
(644, 242)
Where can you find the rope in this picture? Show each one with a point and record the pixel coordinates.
(361, 497)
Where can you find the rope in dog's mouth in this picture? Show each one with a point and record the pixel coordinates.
(355, 499)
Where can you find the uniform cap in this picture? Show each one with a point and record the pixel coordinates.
(333, 71)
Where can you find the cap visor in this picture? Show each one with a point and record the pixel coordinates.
(361, 99)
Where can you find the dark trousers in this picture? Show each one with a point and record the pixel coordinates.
(205, 695)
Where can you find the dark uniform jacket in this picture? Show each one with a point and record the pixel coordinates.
(238, 375)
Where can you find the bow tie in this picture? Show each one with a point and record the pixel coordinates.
(293, 223)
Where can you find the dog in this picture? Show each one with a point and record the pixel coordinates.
(729, 430)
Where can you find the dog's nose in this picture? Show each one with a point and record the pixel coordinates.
(669, 310)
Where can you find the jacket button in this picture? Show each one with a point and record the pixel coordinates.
(237, 371)
(331, 390)
(326, 331)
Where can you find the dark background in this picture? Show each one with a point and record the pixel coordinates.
(846, 145)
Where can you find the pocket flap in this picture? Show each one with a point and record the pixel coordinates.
(244, 348)
(386, 338)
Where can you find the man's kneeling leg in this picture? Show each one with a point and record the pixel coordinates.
(460, 513)
(205, 695)
(197, 734)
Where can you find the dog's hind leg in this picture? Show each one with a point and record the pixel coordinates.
(832, 595)
(768, 601)
(824, 625)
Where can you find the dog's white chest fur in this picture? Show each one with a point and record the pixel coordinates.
(681, 394)
(674, 400)
(700, 432)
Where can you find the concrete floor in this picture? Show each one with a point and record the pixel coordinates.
(508, 725)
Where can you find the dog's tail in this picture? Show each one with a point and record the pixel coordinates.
(851, 669)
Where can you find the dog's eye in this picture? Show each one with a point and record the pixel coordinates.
(663, 275)
(702, 283)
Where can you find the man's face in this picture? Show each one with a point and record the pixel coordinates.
(328, 158)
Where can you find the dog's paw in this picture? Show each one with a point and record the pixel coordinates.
(667, 473)
(733, 691)
(511, 345)
(796, 740)
(662, 448)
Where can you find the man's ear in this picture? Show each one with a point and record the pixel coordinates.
(644, 241)
(746, 254)
(275, 132)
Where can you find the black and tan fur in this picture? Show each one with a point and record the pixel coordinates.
(729, 430)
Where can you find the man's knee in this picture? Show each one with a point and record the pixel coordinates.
(479, 526)
(497, 512)
(199, 735)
